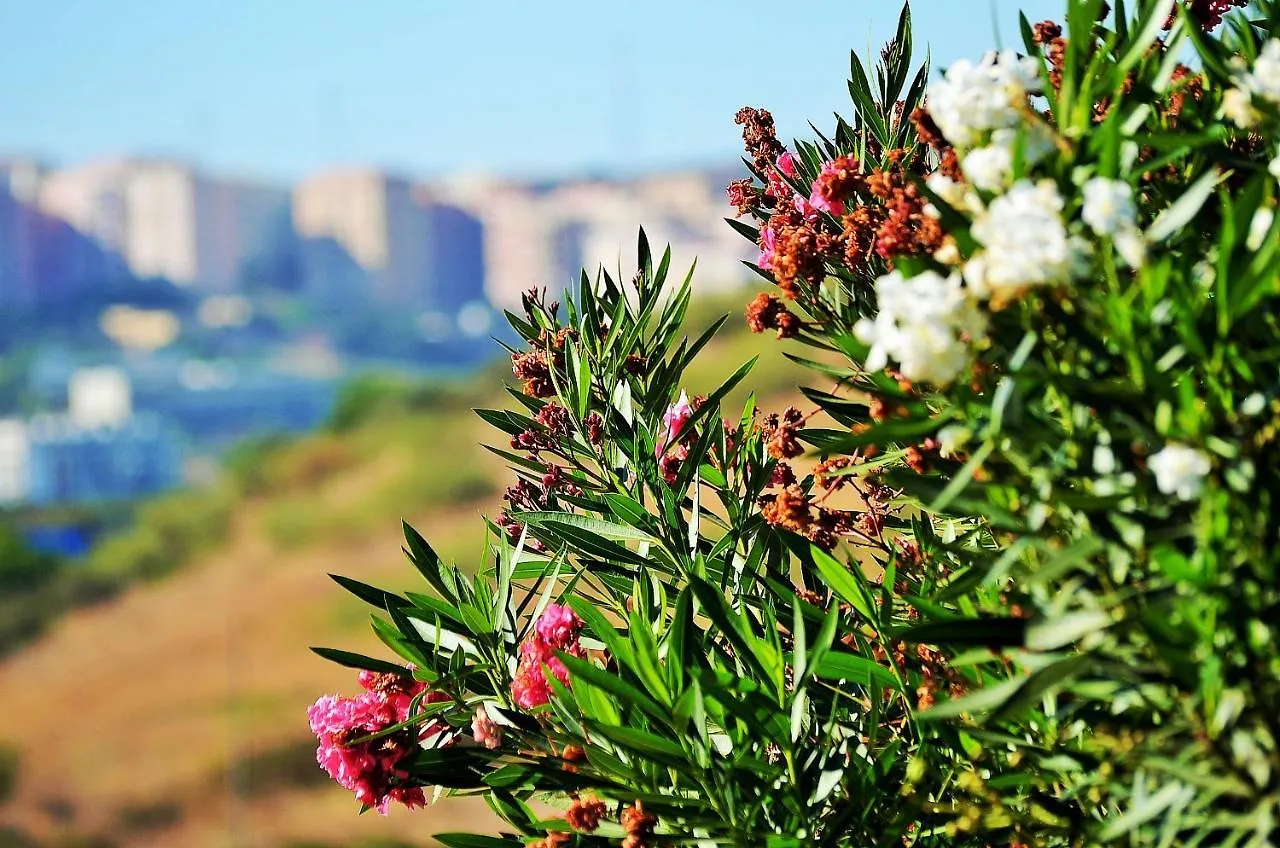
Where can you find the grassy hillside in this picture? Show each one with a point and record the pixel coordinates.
(174, 712)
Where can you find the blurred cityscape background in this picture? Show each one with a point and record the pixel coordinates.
(253, 263)
(153, 314)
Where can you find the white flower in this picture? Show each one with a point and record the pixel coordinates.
(955, 194)
(925, 323)
(1110, 212)
(1237, 107)
(948, 253)
(952, 439)
(1274, 167)
(1026, 241)
(1262, 82)
(1131, 246)
(1108, 206)
(971, 100)
(1259, 227)
(1179, 470)
(988, 168)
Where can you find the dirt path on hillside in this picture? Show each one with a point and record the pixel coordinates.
(127, 715)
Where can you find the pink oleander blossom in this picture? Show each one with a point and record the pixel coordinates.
(673, 423)
(809, 209)
(558, 624)
(836, 181)
(555, 630)
(787, 165)
(369, 769)
(821, 203)
(768, 244)
(486, 731)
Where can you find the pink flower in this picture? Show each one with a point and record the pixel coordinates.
(822, 203)
(673, 422)
(768, 243)
(529, 689)
(558, 625)
(787, 165)
(555, 630)
(485, 730)
(836, 181)
(370, 769)
(809, 209)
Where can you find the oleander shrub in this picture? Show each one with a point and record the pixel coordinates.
(1008, 579)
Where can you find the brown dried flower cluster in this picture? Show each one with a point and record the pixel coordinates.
(766, 312)
(760, 136)
(585, 816)
(779, 433)
(744, 196)
(638, 825)
(800, 248)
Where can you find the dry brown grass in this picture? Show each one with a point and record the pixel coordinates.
(147, 701)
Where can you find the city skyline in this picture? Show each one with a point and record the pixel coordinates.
(272, 93)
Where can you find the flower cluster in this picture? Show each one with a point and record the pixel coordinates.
(1179, 470)
(1209, 13)
(672, 448)
(1026, 243)
(1261, 84)
(1110, 212)
(766, 312)
(974, 100)
(555, 630)
(370, 768)
(925, 323)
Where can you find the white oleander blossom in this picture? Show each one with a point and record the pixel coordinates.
(1179, 470)
(952, 439)
(925, 323)
(1110, 212)
(1261, 82)
(972, 100)
(990, 167)
(1259, 226)
(1108, 206)
(1274, 168)
(1027, 242)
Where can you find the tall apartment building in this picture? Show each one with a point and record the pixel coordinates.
(44, 261)
(371, 236)
(165, 219)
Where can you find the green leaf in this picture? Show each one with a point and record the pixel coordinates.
(1185, 208)
(650, 745)
(360, 661)
(1146, 808)
(855, 669)
(597, 526)
(843, 582)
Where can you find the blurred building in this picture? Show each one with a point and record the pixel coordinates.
(99, 397)
(454, 260)
(44, 261)
(372, 237)
(363, 233)
(67, 463)
(166, 219)
(15, 452)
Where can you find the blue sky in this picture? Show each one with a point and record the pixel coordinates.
(276, 88)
